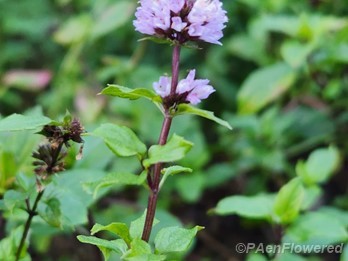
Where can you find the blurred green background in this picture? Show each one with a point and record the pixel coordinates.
(281, 80)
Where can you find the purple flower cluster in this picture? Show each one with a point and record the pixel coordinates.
(182, 20)
(188, 90)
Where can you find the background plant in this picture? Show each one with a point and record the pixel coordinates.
(259, 156)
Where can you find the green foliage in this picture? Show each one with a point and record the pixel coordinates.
(113, 179)
(175, 239)
(264, 86)
(18, 122)
(188, 109)
(280, 80)
(288, 201)
(320, 165)
(131, 247)
(132, 94)
(175, 149)
(258, 207)
(121, 140)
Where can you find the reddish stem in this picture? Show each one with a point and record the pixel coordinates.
(156, 178)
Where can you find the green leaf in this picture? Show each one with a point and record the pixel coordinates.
(263, 86)
(105, 246)
(255, 207)
(320, 165)
(13, 199)
(188, 109)
(74, 30)
(9, 245)
(138, 248)
(296, 53)
(18, 122)
(173, 170)
(137, 226)
(132, 94)
(317, 229)
(50, 212)
(112, 17)
(121, 140)
(113, 179)
(175, 239)
(288, 201)
(312, 195)
(119, 229)
(175, 149)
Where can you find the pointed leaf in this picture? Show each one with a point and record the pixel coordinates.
(121, 140)
(114, 179)
(173, 170)
(105, 246)
(288, 201)
(175, 239)
(255, 207)
(175, 149)
(18, 122)
(132, 94)
(263, 86)
(119, 229)
(188, 109)
(320, 165)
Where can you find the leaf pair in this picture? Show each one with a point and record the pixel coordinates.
(131, 247)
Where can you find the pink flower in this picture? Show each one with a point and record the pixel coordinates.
(182, 20)
(188, 90)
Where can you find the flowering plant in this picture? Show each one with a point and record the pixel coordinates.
(177, 22)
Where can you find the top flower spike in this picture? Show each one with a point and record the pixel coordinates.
(182, 20)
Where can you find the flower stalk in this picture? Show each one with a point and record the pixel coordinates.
(167, 122)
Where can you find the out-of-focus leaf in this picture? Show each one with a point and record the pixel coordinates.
(320, 165)
(288, 201)
(112, 17)
(188, 109)
(296, 53)
(255, 207)
(175, 239)
(114, 179)
(121, 140)
(263, 86)
(189, 192)
(17, 122)
(175, 149)
(316, 229)
(9, 245)
(13, 198)
(74, 30)
(311, 196)
(50, 212)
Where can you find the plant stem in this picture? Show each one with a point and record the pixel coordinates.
(32, 213)
(152, 201)
(175, 68)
